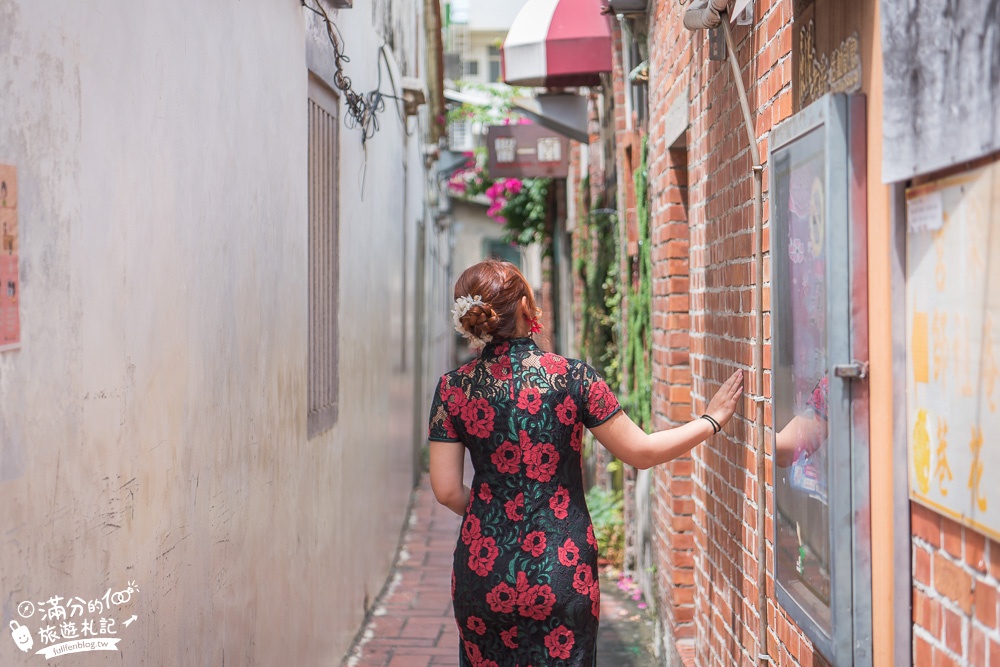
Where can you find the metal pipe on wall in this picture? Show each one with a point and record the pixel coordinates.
(758, 349)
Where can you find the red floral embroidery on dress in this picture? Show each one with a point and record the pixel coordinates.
(554, 364)
(502, 598)
(560, 642)
(534, 543)
(536, 602)
(515, 508)
(591, 540)
(507, 458)
(576, 440)
(485, 494)
(478, 417)
(509, 637)
(482, 554)
(530, 399)
(470, 528)
(601, 403)
(595, 599)
(473, 653)
(476, 625)
(569, 553)
(559, 502)
(521, 583)
(583, 579)
(501, 370)
(467, 368)
(541, 461)
(454, 399)
(566, 411)
(523, 440)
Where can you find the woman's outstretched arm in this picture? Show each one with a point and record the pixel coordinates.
(629, 443)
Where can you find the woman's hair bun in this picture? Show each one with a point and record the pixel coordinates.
(500, 289)
(481, 321)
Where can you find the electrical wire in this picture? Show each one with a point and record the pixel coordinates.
(362, 110)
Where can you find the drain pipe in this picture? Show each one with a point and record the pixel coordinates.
(706, 14)
(758, 349)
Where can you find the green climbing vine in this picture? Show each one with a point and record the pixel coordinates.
(598, 272)
(637, 363)
(603, 316)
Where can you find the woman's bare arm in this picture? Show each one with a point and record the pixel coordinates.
(448, 474)
(802, 436)
(629, 443)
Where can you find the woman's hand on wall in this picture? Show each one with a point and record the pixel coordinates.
(723, 404)
(631, 444)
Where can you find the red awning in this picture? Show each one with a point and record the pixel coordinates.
(557, 43)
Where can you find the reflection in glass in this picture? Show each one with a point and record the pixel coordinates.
(800, 381)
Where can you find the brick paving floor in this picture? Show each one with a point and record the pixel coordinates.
(412, 624)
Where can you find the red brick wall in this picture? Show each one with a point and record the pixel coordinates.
(705, 510)
(705, 506)
(955, 573)
(673, 504)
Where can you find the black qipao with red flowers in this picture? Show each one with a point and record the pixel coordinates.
(525, 586)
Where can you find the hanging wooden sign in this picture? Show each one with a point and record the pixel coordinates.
(826, 49)
(527, 151)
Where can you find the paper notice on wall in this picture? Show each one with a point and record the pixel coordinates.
(924, 212)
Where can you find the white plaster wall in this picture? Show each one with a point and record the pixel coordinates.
(472, 228)
(153, 424)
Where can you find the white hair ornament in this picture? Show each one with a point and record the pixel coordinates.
(462, 305)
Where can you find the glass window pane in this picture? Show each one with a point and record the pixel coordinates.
(800, 380)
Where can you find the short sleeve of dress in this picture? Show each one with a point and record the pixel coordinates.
(599, 402)
(817, 401)
(440, 427)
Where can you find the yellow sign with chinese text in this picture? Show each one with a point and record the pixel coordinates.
(953, 336)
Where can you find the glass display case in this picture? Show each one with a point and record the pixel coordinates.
(820, 341)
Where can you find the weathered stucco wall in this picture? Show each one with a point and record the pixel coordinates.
(153, 424)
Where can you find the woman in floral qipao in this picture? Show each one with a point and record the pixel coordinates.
(524, 584)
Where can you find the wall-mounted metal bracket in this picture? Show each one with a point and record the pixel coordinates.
(717, 43)
(856, 370)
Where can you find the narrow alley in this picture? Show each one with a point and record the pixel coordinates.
(708, 289)
(412, 623)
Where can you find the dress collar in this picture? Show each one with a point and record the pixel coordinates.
(501, 347)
